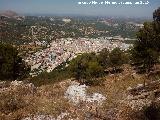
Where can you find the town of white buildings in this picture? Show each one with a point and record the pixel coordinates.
(64, 49)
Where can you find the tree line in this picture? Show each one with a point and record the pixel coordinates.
(88, 66)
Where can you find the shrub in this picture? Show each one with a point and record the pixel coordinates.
(86, 66)
(152, 112)
(11, 64)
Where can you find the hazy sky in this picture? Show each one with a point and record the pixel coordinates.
(72, 7)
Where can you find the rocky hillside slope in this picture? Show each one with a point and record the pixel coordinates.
(120, 97)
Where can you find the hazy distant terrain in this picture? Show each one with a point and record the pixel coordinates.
(17, 29)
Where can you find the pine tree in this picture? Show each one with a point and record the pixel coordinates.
(11, 65)
(145, 52)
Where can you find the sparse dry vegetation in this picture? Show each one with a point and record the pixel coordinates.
(20, 100)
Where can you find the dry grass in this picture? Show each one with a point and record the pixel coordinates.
(114, 87)
(50, 99)
(20, 102)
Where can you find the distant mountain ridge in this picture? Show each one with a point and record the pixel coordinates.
(9, 13)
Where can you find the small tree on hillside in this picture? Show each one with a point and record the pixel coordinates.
(94, 69)
(85, 66)
(103, 58)
(11, 65)
(156, 18)
(116, 58)
(145, 52)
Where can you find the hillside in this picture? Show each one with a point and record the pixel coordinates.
(120, 97)
(9, 13)
(90, 82)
